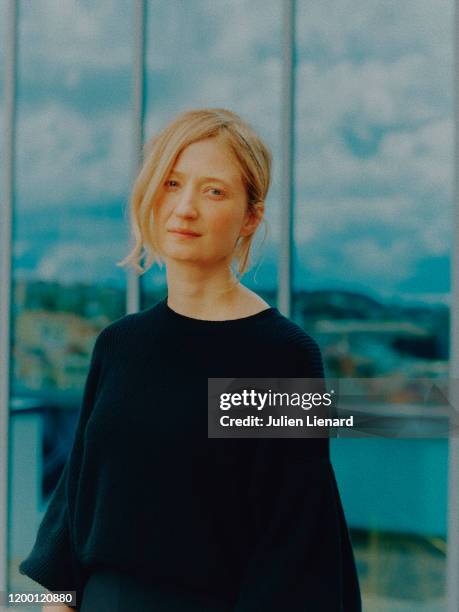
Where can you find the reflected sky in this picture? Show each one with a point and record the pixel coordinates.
(374, 130)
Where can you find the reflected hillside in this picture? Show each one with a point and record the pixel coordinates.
(359, 336)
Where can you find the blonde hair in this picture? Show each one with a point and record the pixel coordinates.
(159, 154)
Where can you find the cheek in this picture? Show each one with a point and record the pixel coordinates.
(225, 222)
(161, 216)
(159, 223)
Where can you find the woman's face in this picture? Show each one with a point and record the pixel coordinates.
(204, 195)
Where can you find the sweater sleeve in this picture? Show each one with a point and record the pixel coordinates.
(295, 560)
(52, 562)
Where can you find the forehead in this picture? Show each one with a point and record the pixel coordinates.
(209, 157)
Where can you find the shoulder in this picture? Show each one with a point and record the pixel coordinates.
(127, 324)
(290, 332)
(289, 336)
(128, 329)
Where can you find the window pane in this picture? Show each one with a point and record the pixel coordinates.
(219, 54)
(73, 172)
(374, 172)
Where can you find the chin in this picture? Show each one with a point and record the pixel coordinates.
(180, 255)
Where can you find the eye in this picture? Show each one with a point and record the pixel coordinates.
(217, 192)
(169, 184)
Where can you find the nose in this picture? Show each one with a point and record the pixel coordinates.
(185, 206)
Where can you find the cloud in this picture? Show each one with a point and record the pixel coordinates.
(76, 54)
(327, 30)
(375, 153)
(217, 34)
(64, 156)
(76, 261)
(75, 36)
(374, 126)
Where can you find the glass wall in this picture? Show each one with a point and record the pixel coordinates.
(3, 16)
(219, 54)
(3, 40)
(373, 235)
(372, 232)
(73, 169)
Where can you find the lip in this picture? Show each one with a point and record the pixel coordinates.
(184, 233)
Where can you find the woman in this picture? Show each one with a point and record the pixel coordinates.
(150, 513)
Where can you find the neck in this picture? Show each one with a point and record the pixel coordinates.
(202, 292)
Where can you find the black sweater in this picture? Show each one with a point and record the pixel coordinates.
(256, 523)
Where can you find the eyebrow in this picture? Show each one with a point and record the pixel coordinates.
(204, 178)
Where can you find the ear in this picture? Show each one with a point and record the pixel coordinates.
(252, 219)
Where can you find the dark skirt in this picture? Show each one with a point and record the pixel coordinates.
(110, 591)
